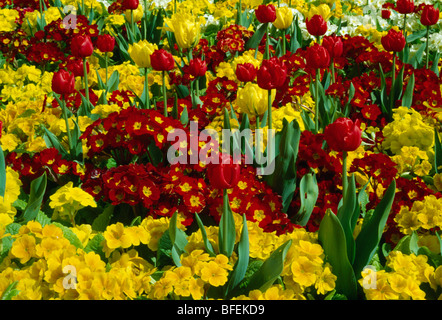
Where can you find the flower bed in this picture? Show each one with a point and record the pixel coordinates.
(220, 150)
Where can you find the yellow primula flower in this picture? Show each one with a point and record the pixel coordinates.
(24, 248)
(214, 274)
(68, 199)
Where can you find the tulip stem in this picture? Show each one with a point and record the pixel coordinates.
(65, 116)
(267, 52)
(239, 13)
(393, 80)
(284, 51)
(344, 173)
(86, 83)
(269, 110)
(403, 30)
(164, 93)
(427, 47)
(317, 101)
(146, 89)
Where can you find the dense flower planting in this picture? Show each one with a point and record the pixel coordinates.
(115, 178)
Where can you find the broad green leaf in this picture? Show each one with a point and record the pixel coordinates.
(437, 152)
(37, 192)
(345, 215)
(206, 241)
(178, 239)
(407, 98)
(254, 41)
(408, 244)
(332, 238)
(270, 270)
(113, 82)
(10, 291)
(243, 259)
(308, 189)
(96, 245)
(101, 222)
(372, 231)
(53, 142)
(227, 232)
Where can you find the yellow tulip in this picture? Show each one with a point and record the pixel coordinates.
(323, 10)
(253, 100)
(140, 53)
(185, 28)
(284, 18)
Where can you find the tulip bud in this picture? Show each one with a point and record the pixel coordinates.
(245, 72)
(76, 67)
(317, 57)
(266, 13)
(316, 26)
(429, 16)
(81, 46)
(343, 135)
(224, 175)
(253, 100)
(334, 46)
(405, 6)
(284, 18)
(386, 14)
(272, 74)
(161, 60)
(130, 4)
(105, 43)
(63, 82)
(197, 67)
(393, 41)
(141, 52)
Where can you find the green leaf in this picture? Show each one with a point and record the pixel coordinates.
(10, 291)
(227, 232)
(242, 263)
(437, 153)
(206, 241)
(96, 245)
(345, 215)
(407, 98)
(270, 270)
(2, 173)
(332, 238)
(37, 192)
(408, 244)
(178, 239)
(101, 222)
(372, 231)
(254, 41)
(53, 142)
(113, 82)
(308, 189)
(416, 35)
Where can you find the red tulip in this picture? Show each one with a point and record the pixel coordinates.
(272, 74)
(343, 135)
(63, 82)
(393, 41)
(334, 46)
(161, 60)
(81, 46)
(76, 67)
(224, 175)
(266, 13)
(317, 57)
(430, 15)
(245, 72)
(405, 6)
(316, 26)
(105, 43)
(130, 4)
(197, 67)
